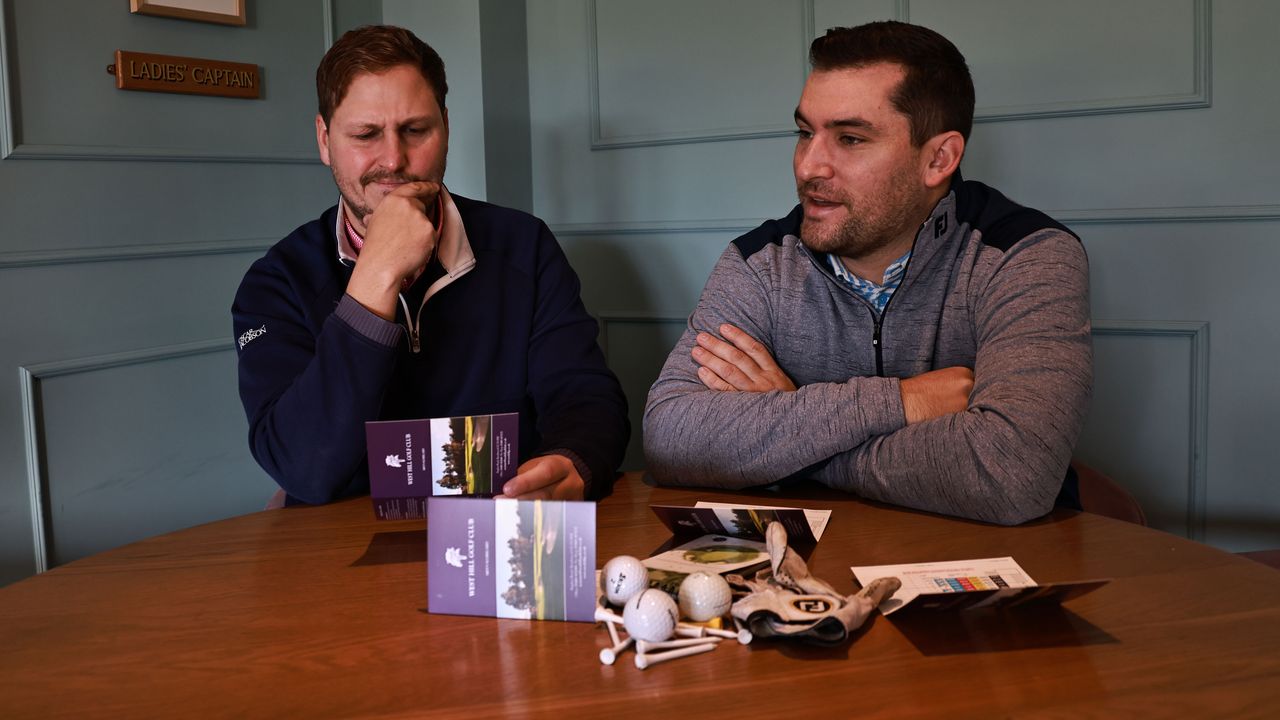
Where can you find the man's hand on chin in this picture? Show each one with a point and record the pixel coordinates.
(399, 240)
(546, 477)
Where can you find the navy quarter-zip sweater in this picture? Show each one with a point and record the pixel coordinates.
(508, 335)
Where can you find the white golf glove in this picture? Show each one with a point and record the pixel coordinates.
(786, 601)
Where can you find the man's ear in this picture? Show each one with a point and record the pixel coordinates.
(322, 139)
(941, 157)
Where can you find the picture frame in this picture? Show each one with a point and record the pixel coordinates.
(223, 12)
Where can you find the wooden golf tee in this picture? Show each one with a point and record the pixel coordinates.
(644, 646)
(644, 661)
(610, 654)
(606, 616)
(695, 631)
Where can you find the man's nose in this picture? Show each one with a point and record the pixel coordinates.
(812, 160)
(392, 155)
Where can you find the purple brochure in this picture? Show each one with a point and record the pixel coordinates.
(530, 559)
(410, 460)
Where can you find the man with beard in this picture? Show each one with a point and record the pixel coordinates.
(902, 334)
(406, 301)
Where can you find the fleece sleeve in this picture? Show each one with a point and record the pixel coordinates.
(708, 438)
(581, 410)
(1003, 459)
(308, 396)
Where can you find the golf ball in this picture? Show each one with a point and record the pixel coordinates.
(623, 577)
(704, 596)
(650, 616)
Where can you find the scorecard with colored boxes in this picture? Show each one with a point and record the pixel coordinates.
(966, 584)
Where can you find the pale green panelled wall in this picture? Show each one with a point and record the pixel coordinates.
(129, 219)
(648, 135)
(659, 132)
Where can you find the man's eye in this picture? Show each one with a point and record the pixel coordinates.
(367, 135)
(803, 134)
(850, 140)
(415, 131)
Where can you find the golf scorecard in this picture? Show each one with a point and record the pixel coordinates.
(968, 585)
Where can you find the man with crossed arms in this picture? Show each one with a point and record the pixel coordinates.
(902, 334)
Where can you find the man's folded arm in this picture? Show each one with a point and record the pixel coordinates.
(307, 398)
(711, 438)
(1003, 459)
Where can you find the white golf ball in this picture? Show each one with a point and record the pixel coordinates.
(650, 616)
(623, 577)
(704, 596)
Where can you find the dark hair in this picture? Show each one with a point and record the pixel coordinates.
(374, 49)
(937, 93)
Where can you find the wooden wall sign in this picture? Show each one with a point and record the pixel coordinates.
(192, 76)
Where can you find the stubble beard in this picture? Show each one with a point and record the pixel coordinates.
(353, 193)
(877, 222)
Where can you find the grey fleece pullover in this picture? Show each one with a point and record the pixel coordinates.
(990, 285)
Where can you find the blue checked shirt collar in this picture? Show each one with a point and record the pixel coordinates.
(876, 294)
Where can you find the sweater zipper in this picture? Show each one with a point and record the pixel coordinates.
(875, 339)
(879, 320)
(412, 323)
(876, 320)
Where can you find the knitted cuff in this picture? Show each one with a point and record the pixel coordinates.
(367, 323)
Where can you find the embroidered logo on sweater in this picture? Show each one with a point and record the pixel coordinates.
(251, 335)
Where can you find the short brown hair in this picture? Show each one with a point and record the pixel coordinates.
(374, 49)
(937, 93)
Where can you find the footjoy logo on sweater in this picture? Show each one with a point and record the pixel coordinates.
(251, 335)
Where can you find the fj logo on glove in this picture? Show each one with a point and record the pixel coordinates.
(814, 605)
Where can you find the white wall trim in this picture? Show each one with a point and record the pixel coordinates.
(1200, 95)
(327, 8)
(27, 151)
(600, 142)
(1197, 336)
(6, 104)
(1098, 216)
(28, 377)
(632, 318)
(35, 469)
(11, 145)
(133, 252)
(656, 227)
(1207, 213)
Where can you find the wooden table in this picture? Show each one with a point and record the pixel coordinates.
(319, 612)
